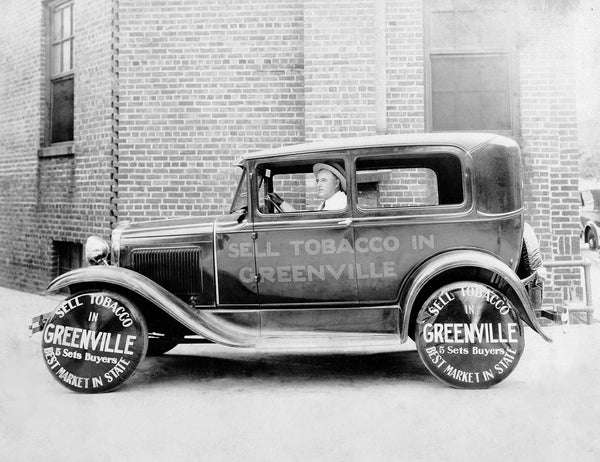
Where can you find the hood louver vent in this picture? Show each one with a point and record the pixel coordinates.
(179, 270)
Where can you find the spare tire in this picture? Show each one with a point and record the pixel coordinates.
(531, 257)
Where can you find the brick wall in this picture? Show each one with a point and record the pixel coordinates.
(339, 66)
(51, 198)
(20, 132)
(549, 140)
(175, 91)
(200, 83)
(405, 108)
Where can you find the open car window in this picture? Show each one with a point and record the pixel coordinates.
(295, 183)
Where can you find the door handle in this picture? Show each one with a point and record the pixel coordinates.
(345, 222)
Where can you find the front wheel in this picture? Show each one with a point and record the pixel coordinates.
(469, 335)
(94, 341)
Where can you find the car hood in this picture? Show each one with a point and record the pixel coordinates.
(171, 228)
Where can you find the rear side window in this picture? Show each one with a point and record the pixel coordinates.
(408, 182)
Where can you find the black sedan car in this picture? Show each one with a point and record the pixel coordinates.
(355, 243)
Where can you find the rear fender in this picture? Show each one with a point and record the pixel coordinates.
(202, 323)
(502, 276)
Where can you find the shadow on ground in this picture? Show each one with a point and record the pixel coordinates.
(293, 369)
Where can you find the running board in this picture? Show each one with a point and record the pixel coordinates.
(325, 341)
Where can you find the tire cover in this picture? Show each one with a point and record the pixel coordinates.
(94, 342)
(469, 335)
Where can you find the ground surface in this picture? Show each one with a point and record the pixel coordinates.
(214, 403)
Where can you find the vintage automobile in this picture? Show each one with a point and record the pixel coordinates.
(589, 216)
(428, 243)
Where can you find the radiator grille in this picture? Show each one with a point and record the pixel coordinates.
(178, 270)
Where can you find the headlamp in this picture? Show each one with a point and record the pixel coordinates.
(96, 251)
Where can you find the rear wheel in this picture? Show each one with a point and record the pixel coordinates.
(469, 335)
(94, 341)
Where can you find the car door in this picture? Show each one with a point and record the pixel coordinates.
(235, 263)
(304, 258)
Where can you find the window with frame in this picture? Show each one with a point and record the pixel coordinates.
(295, 183)
(61, 71)
(471, 66)
(408, 182)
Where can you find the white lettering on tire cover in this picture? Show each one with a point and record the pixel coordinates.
(469, 335)
(93, 342)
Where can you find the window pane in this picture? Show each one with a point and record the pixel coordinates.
(444, 111)
(443, 79)
(470, 92)
(56, 59)
(493, 74)
(56, 25)
(62, 110)
(443, 30)
(398, 187)
(496, 110)
(409, 181)
(468, 110)
(66, 20)
(466, 29)
(66, 56)
(468, 73)
(495, 28)
(295, 183)
(298, 190)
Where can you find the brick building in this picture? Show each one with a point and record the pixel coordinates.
(135, 109)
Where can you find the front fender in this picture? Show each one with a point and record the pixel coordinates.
(461, 259)
(202, 323)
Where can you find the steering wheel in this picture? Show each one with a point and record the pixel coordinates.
(275, 206)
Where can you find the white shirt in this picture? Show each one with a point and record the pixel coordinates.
(336, 202)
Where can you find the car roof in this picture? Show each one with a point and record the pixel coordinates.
(466, 141)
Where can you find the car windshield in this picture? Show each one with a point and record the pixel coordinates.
(240, 200)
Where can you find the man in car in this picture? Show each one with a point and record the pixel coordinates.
(331, 188)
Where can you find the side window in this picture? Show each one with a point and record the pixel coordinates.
(298, 189)
(240, 200)
(296, 184)
(397, 187)
(408, 182)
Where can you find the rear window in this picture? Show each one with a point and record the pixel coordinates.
(408, 182)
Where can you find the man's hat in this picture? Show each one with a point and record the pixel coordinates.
(334, 168)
